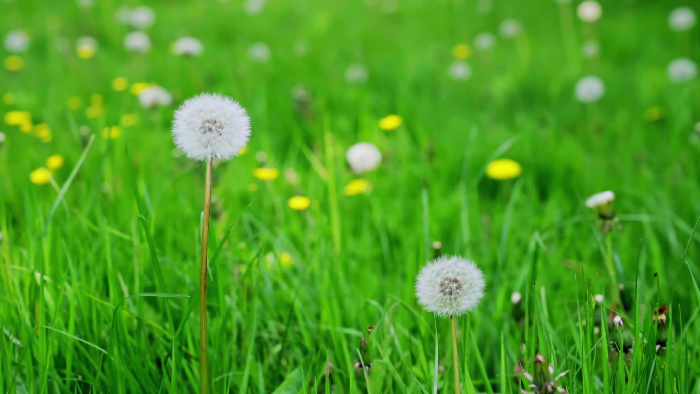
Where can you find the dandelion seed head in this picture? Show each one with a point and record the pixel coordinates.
(211, 126)
(16, 41)
(589, 11)
(259, 52)
(589, 89)
(356, 74)
(137, 41)
(681, 19)
(598, 298)
(682, 70)
(617, 321)
(600, 199)
(460, 71)
(510, 28)
(590, 49)
(154, 96)
(516, 297)
(2, 138)
(484, 41)
(187, 46)
(363, 157)
(450, 286)
(142, 17)
(254, 7)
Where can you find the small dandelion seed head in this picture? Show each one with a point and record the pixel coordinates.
(154, 96)
(16, 41)
(598, 298)
(484, 41)
(363, 157)
(589, 11)
(590, 49)
(356, 74)
(510, 28)
(617, 321)
(187, 46)
(682, 70)
(142, 17)
(600, 199)
(516, 297)
(590, 89)
(211, 126)
(450, 286)
(259, 52)
(138, 42)
(459, 70)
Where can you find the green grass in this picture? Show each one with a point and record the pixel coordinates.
(99, 276)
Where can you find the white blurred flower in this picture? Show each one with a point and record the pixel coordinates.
(589, 11)
(484, 41)
(85, 3)
(450, 286)
(356, 74)
(253, 7)
(682, 70)
(600, 199)
(510, 28)
(211, 126)
(2, 138)
(123, 15)
(86, 46)
(460, 71)
(142, 17)
(137, 41)
(681, 19)
(515, 298)
(590, 49)
(259, 52)
(589, 89)
(154, 96)
(187, 46)
(363, 157)
(598, 298)
(16, 41)
(617, 321)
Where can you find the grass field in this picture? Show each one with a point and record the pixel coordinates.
(99, 252)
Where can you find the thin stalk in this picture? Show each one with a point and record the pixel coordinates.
(455, 354)
(611, 271)
(203, 363)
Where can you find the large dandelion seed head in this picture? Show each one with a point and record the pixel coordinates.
(211, 126)
(590, 89)
(682, 70)
(681, 19)
(363, 157)
(589, 11)
(450, 286)
(16, 41)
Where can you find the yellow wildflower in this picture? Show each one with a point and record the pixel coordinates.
(96, 99)
(54, 162)
(266, 174)
(243, 151)
(43, 132)
(391, 122)
(138, 87)
(14, 63)
(16, 118)
(26, 126)
(74, 103)
(120, 84)
(40, 176)
(653, 114)
(8, 98)
(128, 120)
(85, 51)
(357, 186)
(503, 169)
(94, 111)
(299, 203)
(111, 132)
(286, 260)
(461, 51)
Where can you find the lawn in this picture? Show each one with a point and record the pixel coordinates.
(313, 253)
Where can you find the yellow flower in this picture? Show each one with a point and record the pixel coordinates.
(74, 103)
(243, 151)
(266, 174)
(43, 132)
(461, 51)
(503, 169)
(111, 132)
(128, 120)
(286, 260)
(299, 203)
(138, 87)
(40, 176)
(391, 122)
(54, 162)
(14, 63)
(85, 51)
(653, 114)
(357, 186)
(8, 98)
(96, 99)
(94, 111)
(120, 84)
(26, 126)
(16, 118)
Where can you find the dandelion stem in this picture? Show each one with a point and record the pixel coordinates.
(203, 362)
(455, 354)
(611, 270)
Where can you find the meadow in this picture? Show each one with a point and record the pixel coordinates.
(312, 259)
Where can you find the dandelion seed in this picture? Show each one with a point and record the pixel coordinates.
(618, 322)
(460, 71)
(259, 52)
(589, 11)
(187, 46)
(450, 286)
(54, 162)
(120, 84)
(390, 122)
(86, 47)
(598, 298)
(681, 70)
(590, 49)
(681, 19)
(299, 203)
(16, 41)
(155, 96)
(503, 169)
(138, 42)
(484, 41)
(266, 174)
(510, 28)
(8, 98)
(602, 203)
(589, 89)
(363, 157)
(461, 51)
(543, 380)
(14, 63)
(40, 176)
(356, 74)
(356, 187)
(515, 298)
(142, 17)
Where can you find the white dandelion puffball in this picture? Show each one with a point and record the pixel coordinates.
(484, 41)
(590, 49)
(600, 199)
(137, 41)
(589, 11)
(510, 28)
(363, 157)
(211, 126)
(154, 96)
(142, 17)
(682, 70)
(2, 137)
(85, 3)
(450, 286)
(589, 89)
(259, 52)
(16, 41)
(253, 7)
(187, 46)
(516, 297)
(460, 71)
(598, 298)
(681, 19)
(356, 74)
(123, 15)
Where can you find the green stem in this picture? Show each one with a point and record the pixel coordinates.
(611, 271)
(203, 361)
(455, 354)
